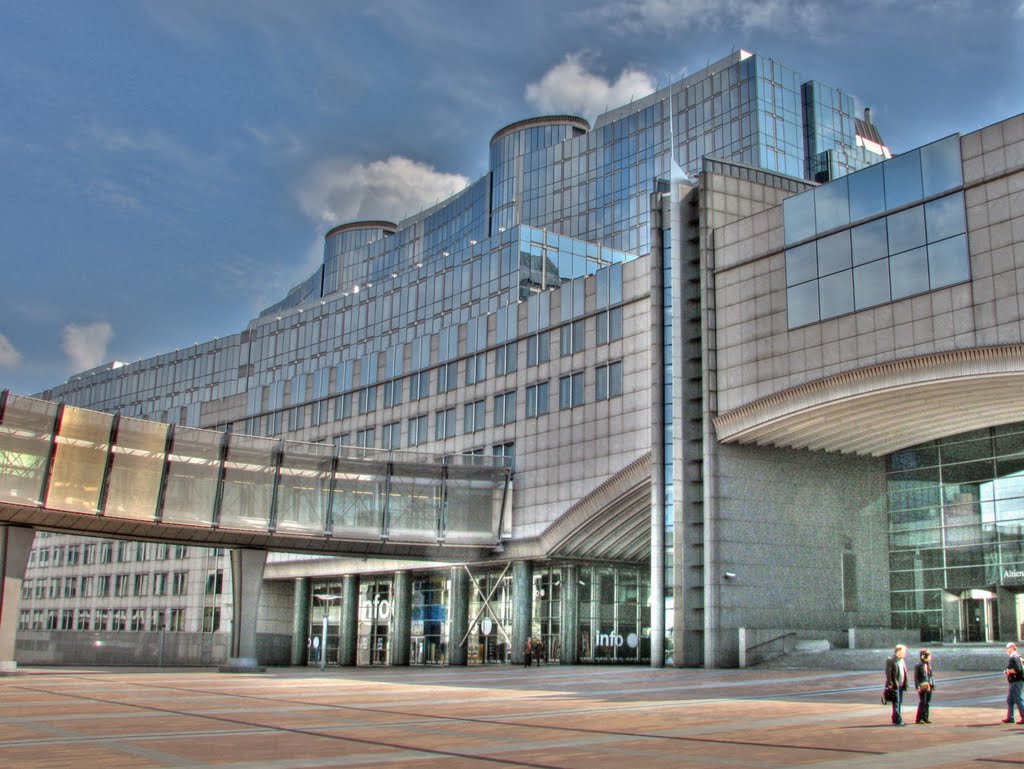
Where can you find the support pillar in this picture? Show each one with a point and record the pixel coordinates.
(349, 620)
(522, 607)
(300, 622)
(458, 607)
(1006, 616)
(401, 621)
(569, 654)
(246, 583)
(15, 546)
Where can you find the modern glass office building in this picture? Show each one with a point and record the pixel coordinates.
(643, 350)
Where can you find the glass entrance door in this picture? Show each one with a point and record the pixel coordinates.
(374, 630)
(976, 616)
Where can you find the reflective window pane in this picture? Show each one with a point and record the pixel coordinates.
(798, 216)
(906, 229)
(941, 168)
(831, 206)
(870, 242)
(871, 284)
(192, 472)
(136, 469)
(902, 179)
(801, 264)
(26, 433)
(867, 193)
(802, 303)
(836, 294)
(944, 217)
(908, 273)
(77, 473)
(834, 253)
(948, 262)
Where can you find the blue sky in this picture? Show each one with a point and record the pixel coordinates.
(170, 167)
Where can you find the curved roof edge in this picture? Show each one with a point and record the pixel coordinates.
(369, 224)
(879, 409)
(532, 122)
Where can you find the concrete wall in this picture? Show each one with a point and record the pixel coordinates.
(783, 521)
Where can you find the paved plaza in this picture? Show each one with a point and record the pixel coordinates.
(464, 718)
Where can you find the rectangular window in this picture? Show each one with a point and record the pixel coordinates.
(538, 348)
(419, 385)
(417, 432)
(141, 585)
(70, 587)
(55, 583)
(368, 400)
(215, 582)
(343, 407)
(506, 359)
(84, 618)
(473, 417)
(391, 436)
(608, 381)
(476, 368)
(447, 377)
(570, 391)
(118, 619)
(138, 620)
(73, 554)
(67, 619)
(572, 338)
(537, 399)
(211, 619)
(160, 583)
(505, 408)
(507, 451)
(366, 439)
(176, 621)
(609, 325)
(122, 585)
(444, 424)
(179, 583)
(393, 393)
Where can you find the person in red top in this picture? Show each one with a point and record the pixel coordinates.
(925, 685)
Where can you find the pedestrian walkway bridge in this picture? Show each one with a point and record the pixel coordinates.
(74, 470)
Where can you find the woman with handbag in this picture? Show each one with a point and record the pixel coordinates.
(925, 686)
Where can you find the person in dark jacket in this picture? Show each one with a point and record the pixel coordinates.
(1015, 678)
(925, 685)
(896, 680)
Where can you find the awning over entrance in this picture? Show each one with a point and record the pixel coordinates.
(611, 523)
(880, 409)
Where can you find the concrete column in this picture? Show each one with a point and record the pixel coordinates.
(15, 546)
(347, 633)
(401, 619)
(522, 607)
(300, 621)
(657, 514)
(246, 583)
(569, 654)
(1006, 616)
(458, 615)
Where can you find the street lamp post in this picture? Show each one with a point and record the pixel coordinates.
(326, 600)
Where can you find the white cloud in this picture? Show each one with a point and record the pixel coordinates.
(743, 15)
(9, 354)
(568, 87)
(86, 346)
(338, 190)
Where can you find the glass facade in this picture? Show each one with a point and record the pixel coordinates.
(614, 615)
(956, 532)
(876, 236)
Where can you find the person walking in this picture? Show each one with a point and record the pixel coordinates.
(538, 651)
(1015, 678)
(528, 653)
(896, 680)
(925, 685)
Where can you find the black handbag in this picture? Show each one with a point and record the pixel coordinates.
(888, 695)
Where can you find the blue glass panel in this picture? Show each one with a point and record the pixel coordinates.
(870, 242)
(941, 167)
(867, 192)
(802, 304)
(902, 179)
(948, 262)
(836, 294)
(871, 284)
(908, 273)
(834, 253)
(906, 229)
(801, 263)
(945, 217)
(798, 216)
(831, 205)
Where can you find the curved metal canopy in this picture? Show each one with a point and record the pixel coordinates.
(880, 409)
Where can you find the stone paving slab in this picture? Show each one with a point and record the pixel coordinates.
(469, 718)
